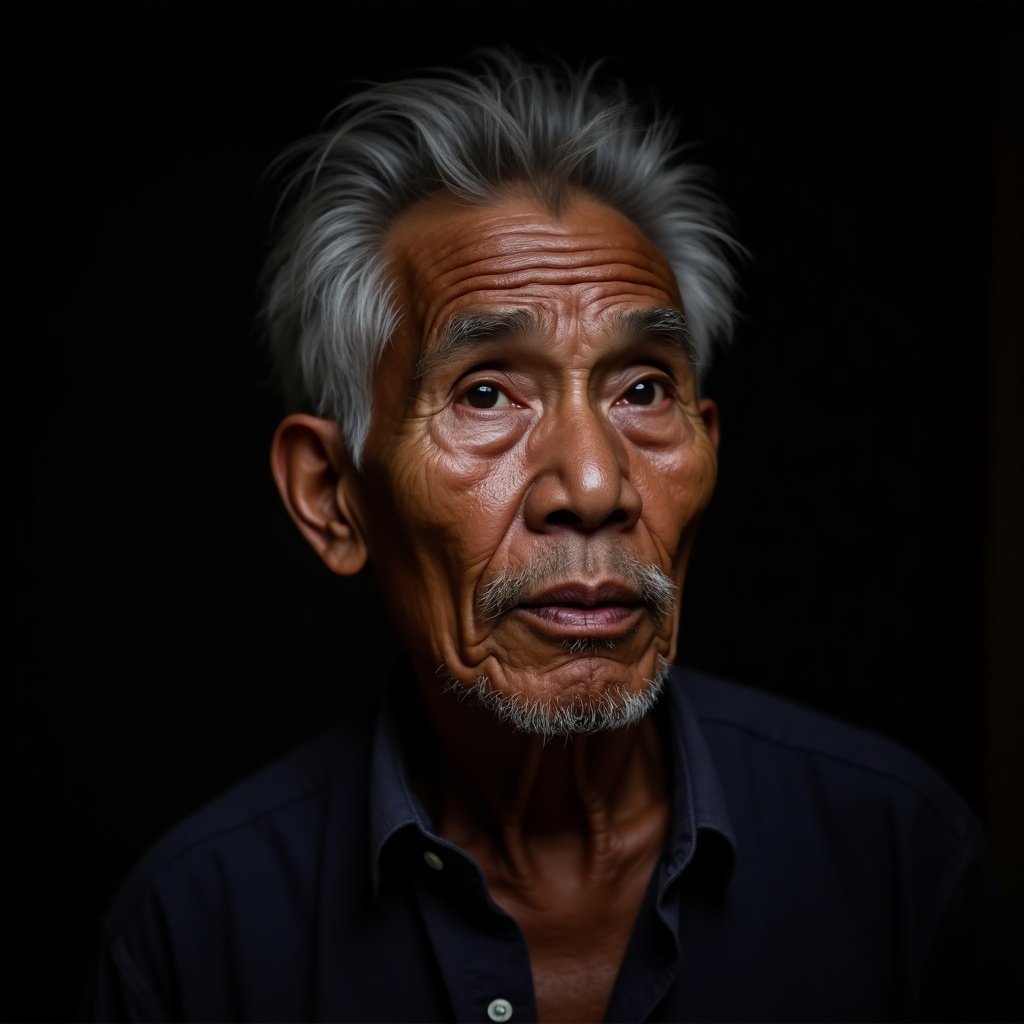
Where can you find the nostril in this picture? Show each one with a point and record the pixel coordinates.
(566, 517)
(563, 517)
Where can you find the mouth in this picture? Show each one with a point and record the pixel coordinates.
(575, 609)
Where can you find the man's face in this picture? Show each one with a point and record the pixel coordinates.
(538, 456)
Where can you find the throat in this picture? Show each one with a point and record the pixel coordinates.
(531, 808)
(567, 833)
(577, 913)
(568, 838)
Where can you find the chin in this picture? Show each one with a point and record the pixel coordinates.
(592, 699)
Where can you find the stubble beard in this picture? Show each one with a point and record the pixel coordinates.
(615, 707)
(508, 588)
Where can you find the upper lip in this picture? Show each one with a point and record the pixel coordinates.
(586, 594)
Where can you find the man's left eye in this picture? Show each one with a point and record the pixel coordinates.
(645, 392)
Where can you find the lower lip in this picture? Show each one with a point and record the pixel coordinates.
(602, 620)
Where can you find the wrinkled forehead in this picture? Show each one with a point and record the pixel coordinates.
(452, 259)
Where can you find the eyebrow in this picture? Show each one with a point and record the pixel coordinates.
(464, 330)
(664, 324)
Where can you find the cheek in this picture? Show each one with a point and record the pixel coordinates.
(475, 469)
(468, 435)
(676, 486)
(446, 520)
(451, 507)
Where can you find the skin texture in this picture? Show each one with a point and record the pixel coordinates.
(567, 430)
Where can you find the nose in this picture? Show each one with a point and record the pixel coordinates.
(580, 473)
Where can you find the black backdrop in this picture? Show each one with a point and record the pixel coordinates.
(167, 630)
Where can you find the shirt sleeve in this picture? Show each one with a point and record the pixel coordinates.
(118, 990)
(974, 970)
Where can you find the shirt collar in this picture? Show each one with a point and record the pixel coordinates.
(698, 804)
(394, 805)
(698, 801)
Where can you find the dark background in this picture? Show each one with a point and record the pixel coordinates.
(166, 628)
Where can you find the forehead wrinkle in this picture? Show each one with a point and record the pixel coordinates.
(529, 237)
(443, 260)
(480, 258)
(465, 282)
(574, 254)
(493, 282)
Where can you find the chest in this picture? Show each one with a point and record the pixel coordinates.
(577, 935)
(574, 981)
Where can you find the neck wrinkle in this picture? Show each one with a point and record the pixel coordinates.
(514, 801)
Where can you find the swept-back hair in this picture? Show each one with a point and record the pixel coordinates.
(548, 128)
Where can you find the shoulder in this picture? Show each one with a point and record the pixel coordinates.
(842, 834)
(225, 903)
(272, 815)
(779, 739)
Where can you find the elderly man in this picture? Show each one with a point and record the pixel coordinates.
(491, 305)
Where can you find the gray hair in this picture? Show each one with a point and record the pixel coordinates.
(615, 708)
(329, 310)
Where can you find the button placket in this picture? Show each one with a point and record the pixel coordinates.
(480, 949)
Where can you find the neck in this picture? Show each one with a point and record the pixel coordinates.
(524, 805)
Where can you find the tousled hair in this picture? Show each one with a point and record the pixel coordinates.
(510, 122)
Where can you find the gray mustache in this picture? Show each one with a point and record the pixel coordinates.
(511, 587)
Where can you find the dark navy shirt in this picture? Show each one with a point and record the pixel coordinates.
(812, 872)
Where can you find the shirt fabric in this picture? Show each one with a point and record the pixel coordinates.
(813, 871)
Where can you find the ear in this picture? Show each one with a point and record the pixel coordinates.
(315, 478)
(709, 414)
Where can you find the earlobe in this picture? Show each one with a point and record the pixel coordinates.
(313, 474)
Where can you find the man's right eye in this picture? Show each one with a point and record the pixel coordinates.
(486, 396)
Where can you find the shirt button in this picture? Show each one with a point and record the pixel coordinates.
(499, 1010)
(432, 860)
